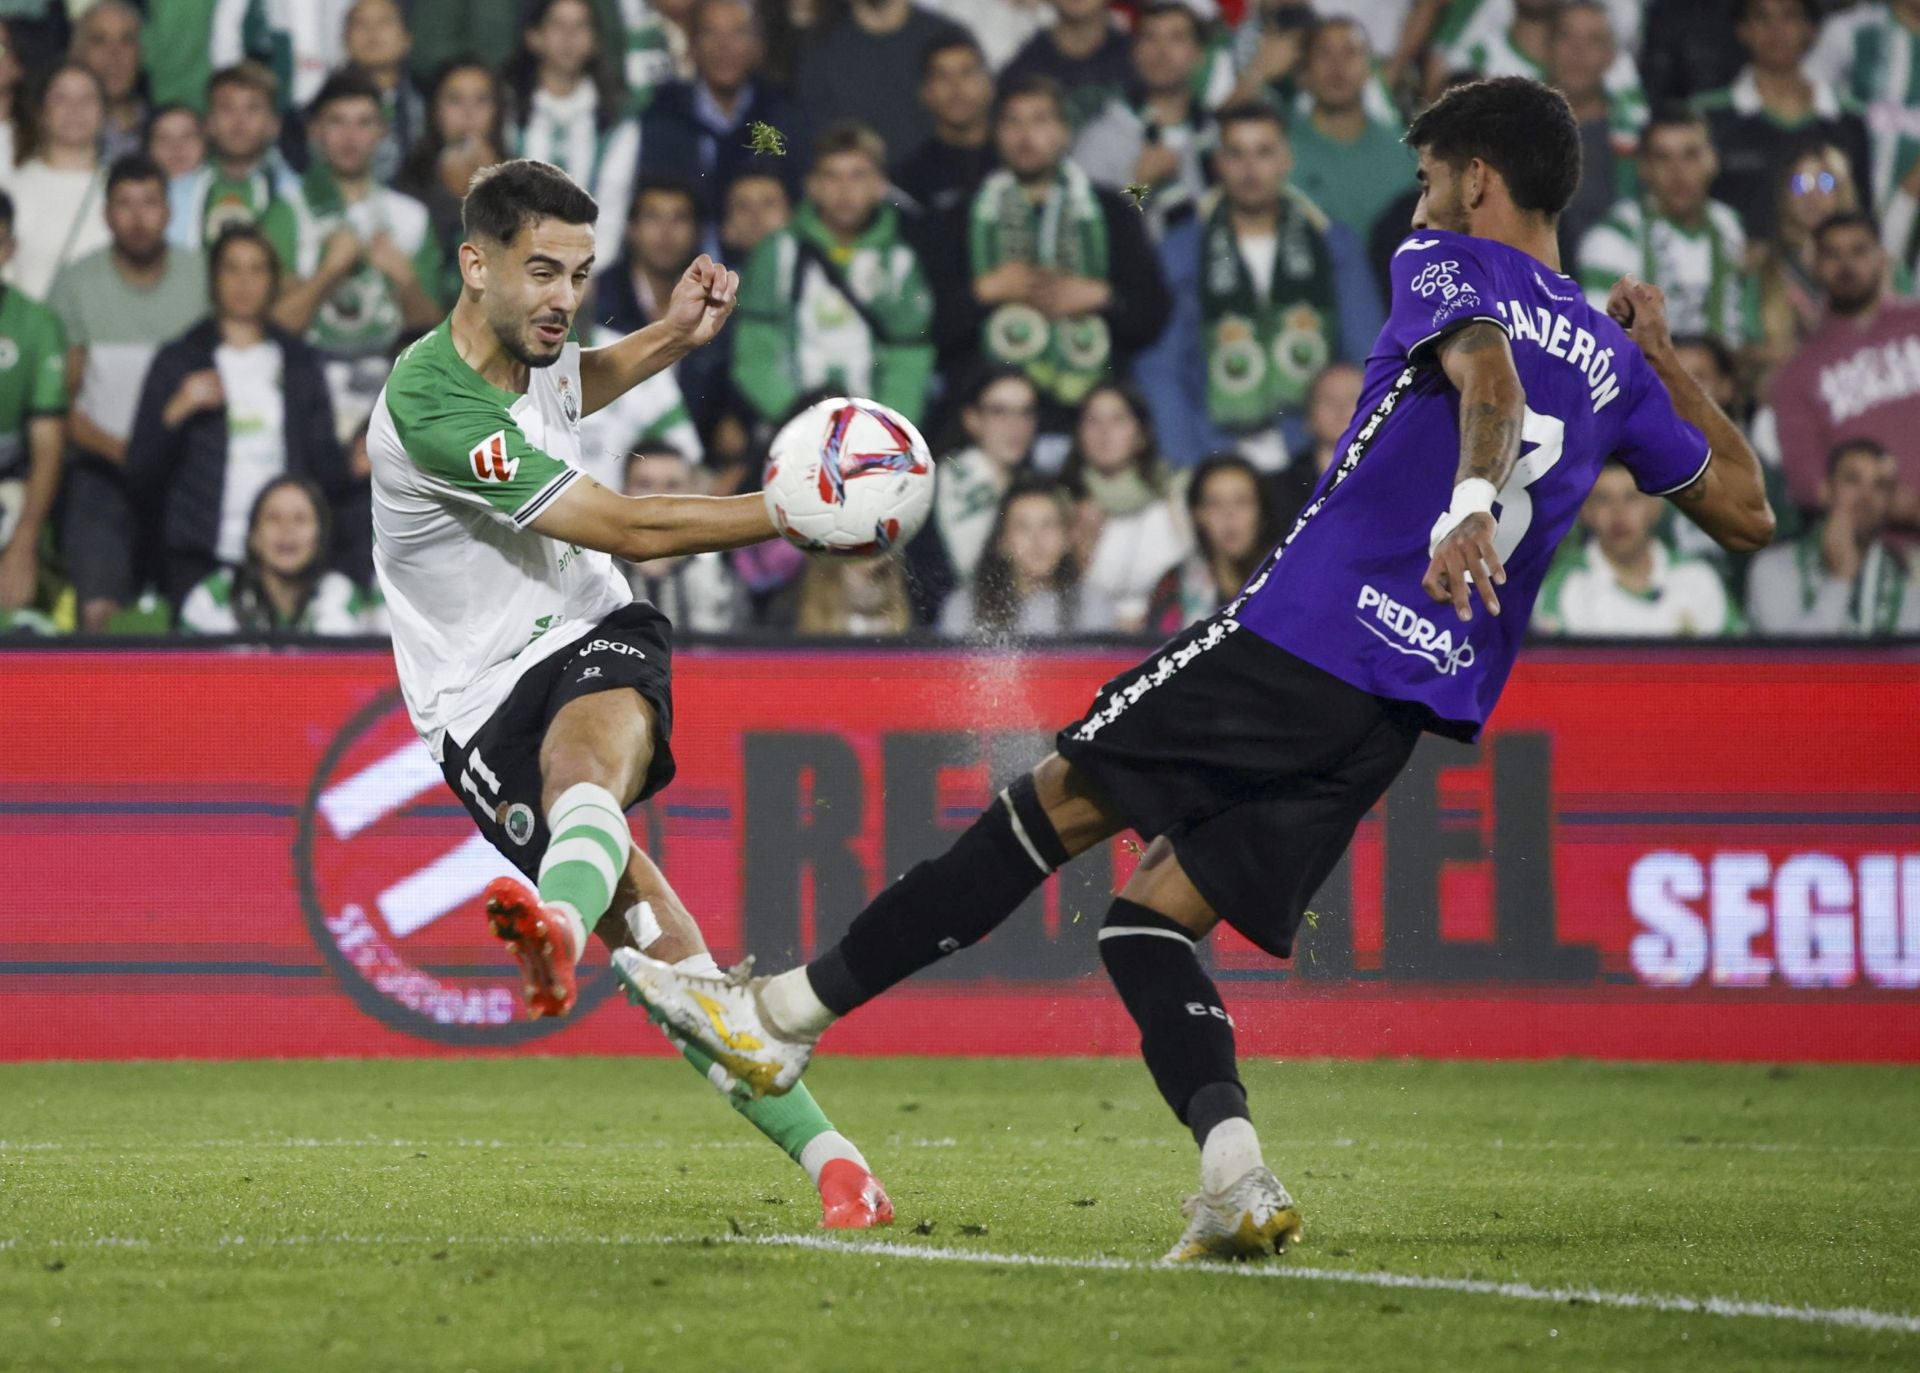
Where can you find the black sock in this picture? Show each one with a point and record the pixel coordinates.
(1185, 1035)
(944, 905)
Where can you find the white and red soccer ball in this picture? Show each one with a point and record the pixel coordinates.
(848, 476)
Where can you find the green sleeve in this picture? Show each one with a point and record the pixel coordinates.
(469, 446)
(47, 385)
(903, 368)
(763, 333)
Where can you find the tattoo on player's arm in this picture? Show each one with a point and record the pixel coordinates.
(1489, 441)
(1694, 492)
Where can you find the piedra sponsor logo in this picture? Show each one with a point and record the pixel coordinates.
(1406, 630)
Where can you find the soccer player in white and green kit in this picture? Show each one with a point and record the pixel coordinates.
(543, 689)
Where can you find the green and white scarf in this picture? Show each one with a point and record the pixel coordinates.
(646, 59)
(1067, 232)
(1263, 353)
(1879, 588)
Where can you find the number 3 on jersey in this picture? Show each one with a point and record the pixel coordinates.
(1547, 435)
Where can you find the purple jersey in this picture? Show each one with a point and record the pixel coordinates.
(1343, 590)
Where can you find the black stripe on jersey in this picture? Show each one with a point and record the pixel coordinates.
(1356, 450)
(543, 498)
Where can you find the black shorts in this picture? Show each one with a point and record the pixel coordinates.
(497, 774)
(1256, 766)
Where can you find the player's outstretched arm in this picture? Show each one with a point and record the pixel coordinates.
(698, 308)
(639, 528)
(1493, 405)
(1729, 497)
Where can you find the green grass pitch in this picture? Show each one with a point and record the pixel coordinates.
(608, 1214)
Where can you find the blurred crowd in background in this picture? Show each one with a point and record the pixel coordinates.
(1121, 264)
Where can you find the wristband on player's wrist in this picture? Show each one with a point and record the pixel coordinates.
(1474, 496)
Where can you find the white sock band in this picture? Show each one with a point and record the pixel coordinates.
(1231, 1152)
(790, 1003)
(823, 1149)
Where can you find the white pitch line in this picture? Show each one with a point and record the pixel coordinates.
(1848, 1317)
(1853, 1317)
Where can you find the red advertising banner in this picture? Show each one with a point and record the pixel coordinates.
(1651, 854)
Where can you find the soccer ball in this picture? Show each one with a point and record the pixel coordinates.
(850, 477)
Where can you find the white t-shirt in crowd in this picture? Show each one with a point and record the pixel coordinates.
(256, 436)
(59, 217)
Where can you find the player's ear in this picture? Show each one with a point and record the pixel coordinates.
(473, 265)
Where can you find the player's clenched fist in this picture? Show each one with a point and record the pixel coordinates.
(702, 300)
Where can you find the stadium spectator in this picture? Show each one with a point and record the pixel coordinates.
(854, 598)
(466, 130)
(245, 181)
(60, 184)
(1001, 27)
(756, 204)
(227, 407)
(1689, 245)
(570, 110)
(956, 90)
(999, 419)
(1331, 401)
(177, 46)
(377, 47)
(1153, 142)
(1867, 54)
(1267, 51)
(1851, 378)
(649, 43)
(865, 63)
(1624, 580)
(1126, 531)
(445, 32)
(1027, 583)
(1512, 38)
(1265, 290)
(1783, 301)
(33, 406)
(1232, 517)
(106, 41)
(1580, 52)
(1773, 109)
(704, 129)
(369, 269)
(1071, 305)
(837, 299)
(14, 116)
(1690, 47)
(281, 585)
(1842, 577)
(117, 307)
(301, 42)
(175, 141)
(662, 238)
(1349, 163)
(1084, 52)
(698, 593)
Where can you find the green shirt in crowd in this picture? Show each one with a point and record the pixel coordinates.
(1353, 182)
(33, 374)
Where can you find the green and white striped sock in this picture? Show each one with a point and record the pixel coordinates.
(586, 853)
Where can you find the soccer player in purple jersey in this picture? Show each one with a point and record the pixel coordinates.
(1248, 748)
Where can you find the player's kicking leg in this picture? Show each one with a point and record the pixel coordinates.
(1255, 767)
(766, 1027)
(594, 759)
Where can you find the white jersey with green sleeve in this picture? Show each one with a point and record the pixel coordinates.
(475, 597)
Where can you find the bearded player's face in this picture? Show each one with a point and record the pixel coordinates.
(534, 287)
(1439, 206)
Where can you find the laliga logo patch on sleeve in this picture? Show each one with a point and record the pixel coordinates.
(491, 462)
